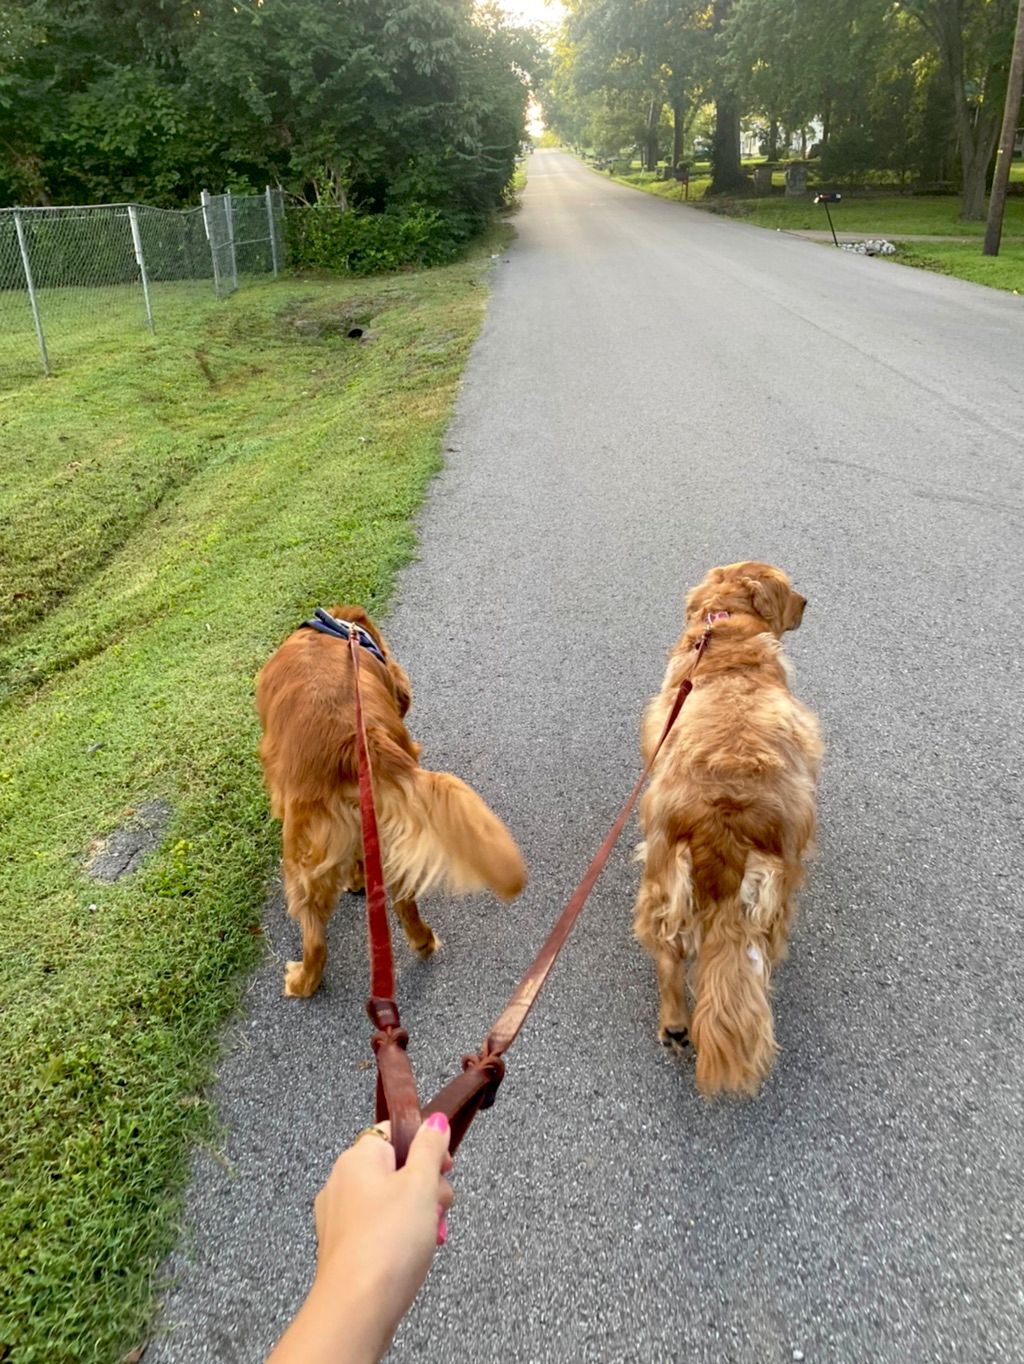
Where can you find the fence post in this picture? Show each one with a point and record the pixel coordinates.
(230, 215)
(31, 292)
(133, 218)
(205, 201)
(273, 229)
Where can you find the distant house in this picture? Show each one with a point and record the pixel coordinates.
(753, 139)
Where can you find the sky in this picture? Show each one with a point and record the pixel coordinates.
(533, 11)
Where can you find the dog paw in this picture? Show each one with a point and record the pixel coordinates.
(428, 948)
(297, 983)
(355, 882)
(675, 1039)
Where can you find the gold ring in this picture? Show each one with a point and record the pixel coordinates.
(370, 1131)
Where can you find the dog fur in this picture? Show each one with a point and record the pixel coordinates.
(434, 830)
(728, 821)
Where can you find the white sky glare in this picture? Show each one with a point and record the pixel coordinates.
(534, 11)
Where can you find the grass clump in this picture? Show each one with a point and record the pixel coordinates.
(174, 506)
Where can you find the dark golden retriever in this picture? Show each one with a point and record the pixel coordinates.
(728, 820)
(434, 830)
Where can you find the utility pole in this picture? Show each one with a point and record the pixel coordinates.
(1011, 113)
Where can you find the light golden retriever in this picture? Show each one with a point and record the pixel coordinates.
(434, 830)
(728, 820)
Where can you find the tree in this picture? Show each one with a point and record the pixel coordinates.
(93, 101)
(868, 69)
(379, 104)
(794, 61)
(974, 40)
(620, 62)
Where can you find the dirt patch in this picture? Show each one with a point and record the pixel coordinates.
(314, 320)
(124, 850)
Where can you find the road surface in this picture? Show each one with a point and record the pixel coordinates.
(656, 391)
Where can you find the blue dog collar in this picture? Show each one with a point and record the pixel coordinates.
(325, 624)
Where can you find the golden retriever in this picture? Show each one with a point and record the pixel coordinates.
(434, 830)
(728, 820)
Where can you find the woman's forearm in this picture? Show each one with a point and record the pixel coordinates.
(337, 1324)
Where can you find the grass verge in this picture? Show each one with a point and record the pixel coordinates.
(870, 216)
(965, 261)
(667, 189)
(178, 504)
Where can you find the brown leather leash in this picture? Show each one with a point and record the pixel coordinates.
(476, 1088)
(397, 1099)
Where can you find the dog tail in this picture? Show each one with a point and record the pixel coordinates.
(436, 831)
(731, 1027)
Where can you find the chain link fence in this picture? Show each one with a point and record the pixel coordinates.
(71, 275)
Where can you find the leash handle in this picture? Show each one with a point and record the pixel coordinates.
(397, 1099)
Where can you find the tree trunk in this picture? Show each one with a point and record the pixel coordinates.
(997, 204)
(773, 140)
(678, 130)
(331, 190)
(976, 148)
(726, 172)
(976, 136)
(651, 136)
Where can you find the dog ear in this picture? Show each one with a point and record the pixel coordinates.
(776, 603)
(698, 597)
(768, 599)
(693, 602)
(402, 685)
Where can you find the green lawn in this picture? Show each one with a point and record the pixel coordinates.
(876, 215)
(76, 320)
(700, 178)
(882, 216)
(170, 508)
(964, 259)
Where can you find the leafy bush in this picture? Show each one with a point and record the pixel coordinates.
(386, 104)
(328, 238)
(849, 155)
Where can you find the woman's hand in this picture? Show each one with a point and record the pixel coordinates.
(378, 1229)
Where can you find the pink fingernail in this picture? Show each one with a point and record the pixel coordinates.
(442, 1226)
(438, 1122)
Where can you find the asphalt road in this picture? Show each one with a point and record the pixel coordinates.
(657, 391)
